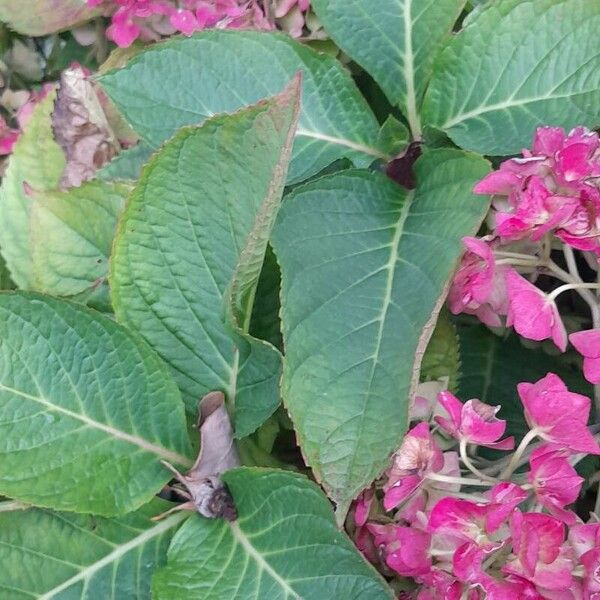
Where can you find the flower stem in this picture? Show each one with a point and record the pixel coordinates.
(514, 461)
(459, 480)
(467, 462)
(571, 286)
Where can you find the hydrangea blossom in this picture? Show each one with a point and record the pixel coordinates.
(152, 19)
(487, 532)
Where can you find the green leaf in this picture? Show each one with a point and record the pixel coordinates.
(41, 17)
(38, 161)
(395, 42)
(225, 70)
(492, 367)
(442, 356)
(72, 234)
(186, 232)
(364, 270)
(393, 136)
(48, 555)
(127, 165)
(284, 545)
(86, 409)
(517, 65)
(265, 323)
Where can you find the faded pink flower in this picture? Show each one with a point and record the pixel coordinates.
(532, 313)
(478, 287)
(418, 455)
(474, 422)
(587, 343)
(539, 557)
(8, 137)
(555, 482)
(559, 416)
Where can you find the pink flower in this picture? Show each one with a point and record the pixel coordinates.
(122, 30)
(532, 313)
(8, 137)
(558, 415)
(185, 21)
(465, 521)
(363, 506)
(591, 580)
(411, 557)
(551, 188)
(587, 344)
(584, 538)
(537, 212)
(417, 456)
(555, 481)
(478, 287)
(582, 229)
(474, 422)
(405, 549)
(537, 544)
(505, 497)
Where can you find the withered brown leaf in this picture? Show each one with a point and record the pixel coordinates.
(204, 489)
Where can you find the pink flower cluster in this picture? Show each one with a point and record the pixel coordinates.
(152, 19)
(552, 188)
(546, 205)
(429, 521)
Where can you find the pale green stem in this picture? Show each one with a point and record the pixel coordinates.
(571, 286)
(467, 462)
(514, 461)
(459, 480)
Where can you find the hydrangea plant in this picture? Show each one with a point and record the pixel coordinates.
(301, 300)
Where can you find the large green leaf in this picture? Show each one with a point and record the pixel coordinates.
(492, 366)
(49, 555)
(518, 65)
(284, 545)
(37, 161)
(364, 269)
(225, 70)
(71, 235)
(86, 409)
(186, 232)
(40, 17)
(395, 42)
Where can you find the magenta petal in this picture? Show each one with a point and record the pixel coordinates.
(587, 342)
(497, 183)
(591, 369)
(400, 491)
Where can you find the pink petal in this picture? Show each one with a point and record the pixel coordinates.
(587, 343)
(548, 140)
(497, 183)
(400, 491)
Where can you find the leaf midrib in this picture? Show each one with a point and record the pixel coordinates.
(116, 554)
(387, 300)
(242, 539)
(168, 455)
